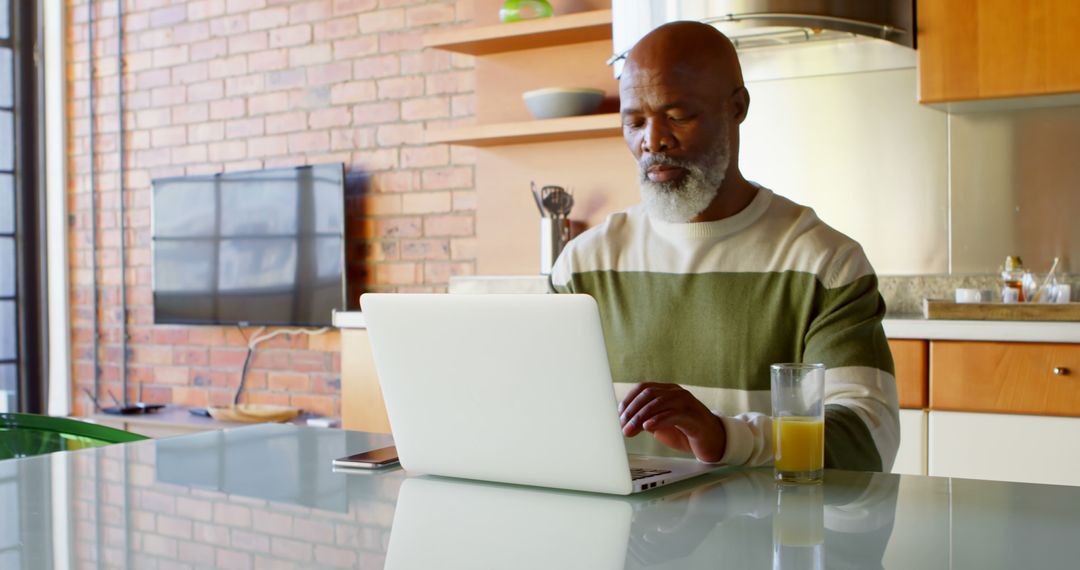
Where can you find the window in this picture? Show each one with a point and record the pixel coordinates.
(8, 271)
(22, 378)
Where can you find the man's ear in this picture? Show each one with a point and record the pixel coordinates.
(740, 102)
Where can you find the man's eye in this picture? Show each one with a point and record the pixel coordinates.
(679, 118)
(633, 123)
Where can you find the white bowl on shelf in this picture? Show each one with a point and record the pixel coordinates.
(554, 102)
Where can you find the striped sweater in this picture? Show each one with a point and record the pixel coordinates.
(711, 305)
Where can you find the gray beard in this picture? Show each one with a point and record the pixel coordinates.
(678, 201)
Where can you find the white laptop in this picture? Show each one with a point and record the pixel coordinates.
(507, 388)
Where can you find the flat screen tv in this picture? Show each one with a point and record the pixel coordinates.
(250, 248)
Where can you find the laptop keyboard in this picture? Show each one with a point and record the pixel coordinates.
(641, 473)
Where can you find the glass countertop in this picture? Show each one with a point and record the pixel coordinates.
(266, 496)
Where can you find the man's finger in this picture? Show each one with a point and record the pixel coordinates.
(629, 397)
(659, 402)
(664, 419)
(643, 396)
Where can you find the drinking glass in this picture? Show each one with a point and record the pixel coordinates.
(798, 422)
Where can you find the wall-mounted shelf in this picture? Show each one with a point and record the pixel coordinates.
(550, 130)
(530, 34)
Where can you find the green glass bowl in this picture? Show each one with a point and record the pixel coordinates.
(518, 10)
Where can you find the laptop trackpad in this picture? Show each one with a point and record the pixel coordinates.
(678, 468)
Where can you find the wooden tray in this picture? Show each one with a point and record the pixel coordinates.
(942, 309)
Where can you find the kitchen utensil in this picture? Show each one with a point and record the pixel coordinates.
(564, 202)
(536, 196)
(556, 102)
(556, 200)
(555, 226)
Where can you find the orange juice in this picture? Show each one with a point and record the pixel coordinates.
(798, 444)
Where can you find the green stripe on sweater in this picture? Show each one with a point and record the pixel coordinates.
(848, 443)
(751, 320)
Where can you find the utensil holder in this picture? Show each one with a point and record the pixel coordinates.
(554, 233)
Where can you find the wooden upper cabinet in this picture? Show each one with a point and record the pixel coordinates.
(985, 49)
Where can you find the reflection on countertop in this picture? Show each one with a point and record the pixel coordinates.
(266, 495)
(741, 518)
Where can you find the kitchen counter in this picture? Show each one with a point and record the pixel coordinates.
(917, 327)
(266, 494)
(897, 327)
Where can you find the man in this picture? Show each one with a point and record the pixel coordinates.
(712, 278)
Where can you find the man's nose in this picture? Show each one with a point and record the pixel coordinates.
(657, 137)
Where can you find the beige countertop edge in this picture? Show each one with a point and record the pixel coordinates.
(907, 327)
(916, 327)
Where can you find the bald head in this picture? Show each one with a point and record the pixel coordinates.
(690, 48)
(682, 99)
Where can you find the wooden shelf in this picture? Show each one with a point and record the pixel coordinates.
(545, 32)
(550, 130)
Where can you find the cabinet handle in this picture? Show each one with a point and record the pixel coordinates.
(1061, 371)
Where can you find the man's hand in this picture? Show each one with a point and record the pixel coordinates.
(675, 417)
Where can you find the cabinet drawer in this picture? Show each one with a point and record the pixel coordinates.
(910, 358)
(1013, 378)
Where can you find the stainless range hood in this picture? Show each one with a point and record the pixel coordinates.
(754, 24)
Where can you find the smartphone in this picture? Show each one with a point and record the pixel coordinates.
(374, 459)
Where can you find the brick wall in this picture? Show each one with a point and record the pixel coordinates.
(224, 85)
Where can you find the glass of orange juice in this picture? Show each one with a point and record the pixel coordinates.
(798, 422)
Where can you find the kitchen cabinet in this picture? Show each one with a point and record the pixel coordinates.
(1004, 411)
(1002, 377)
(997, 408)
(910, 360)
(971, 50)
(1005, 447)
(911, 456)
(910, 357)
